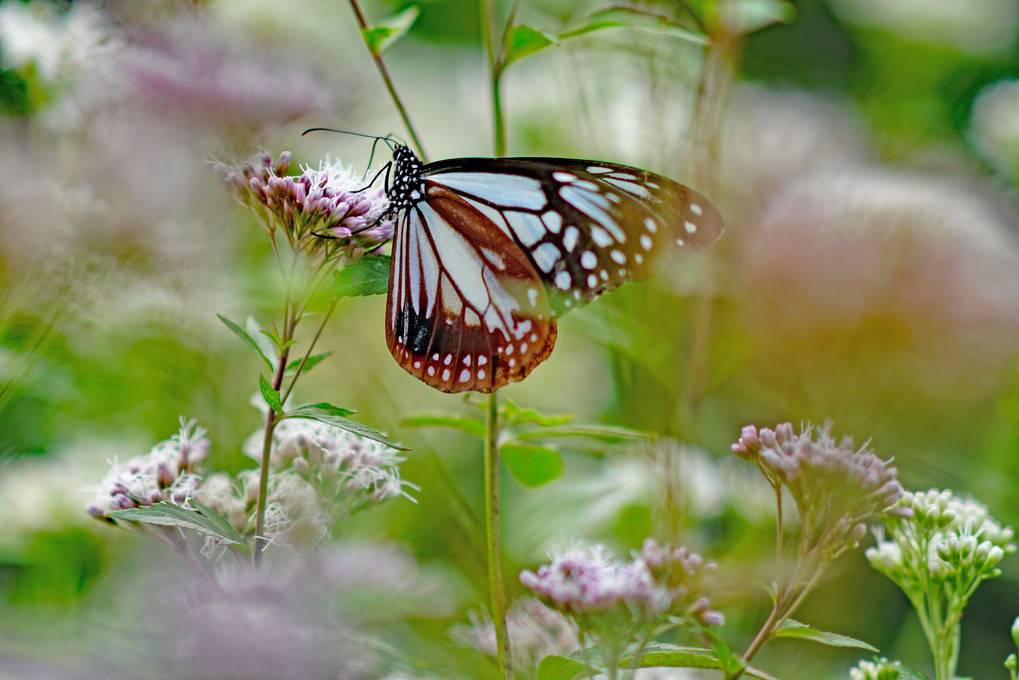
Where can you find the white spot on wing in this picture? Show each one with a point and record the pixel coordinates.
(465, 375)
(690, 227)
(588, 260)
(600, 237)
(646, 242)
(563, 280)
(696, 209)
(570, 237)
(562, 176)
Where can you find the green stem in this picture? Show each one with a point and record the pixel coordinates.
(307, 354)
(492, 532)
(494, 54)
(384, 72)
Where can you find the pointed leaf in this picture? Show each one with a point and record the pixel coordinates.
(202, 519)
(522, 41)
(629, 17)
(368, 275)
(313, 361)
(353, 426)
(605, 433)
(381, 37)
(451, 420)
(512, 413)
(801, 631)
(753, 15)
(245, 338)
(674, 656)
(271, 396)
(532, 465)
(322, 408)
(563, 668)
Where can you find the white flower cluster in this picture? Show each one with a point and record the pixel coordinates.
(950, 537)
(879, 669)
(169, 472)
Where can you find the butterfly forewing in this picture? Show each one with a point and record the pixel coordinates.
(489, 251)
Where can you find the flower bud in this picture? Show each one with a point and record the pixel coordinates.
(1015, 631)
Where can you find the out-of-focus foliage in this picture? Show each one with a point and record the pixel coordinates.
(866, 164)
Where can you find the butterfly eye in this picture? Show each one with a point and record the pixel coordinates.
(488, 252)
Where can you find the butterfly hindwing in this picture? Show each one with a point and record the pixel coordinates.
(489, 251)
(466, 309)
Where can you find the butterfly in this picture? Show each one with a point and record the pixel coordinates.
(489, 252)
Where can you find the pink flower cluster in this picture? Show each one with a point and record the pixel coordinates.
(657, 582)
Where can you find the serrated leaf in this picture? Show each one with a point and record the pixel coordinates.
(271, 396)
(360, 429)
(368, 275)
(313, 361)
(563, 668)
(630, 17)
(532, 465)
(604, 433)
(381, 37)
(451, 420)
(801, 631)
(522, 41)
(245, 338)
(753, 15)
(322, 408)
(202, 519)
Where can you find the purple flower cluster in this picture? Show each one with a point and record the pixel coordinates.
(169, 472)
(588, 585)
(328, 210)
(835, 486)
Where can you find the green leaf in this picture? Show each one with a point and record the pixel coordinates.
(753, 15)
(381, 37)
(321, 412)
(629, 17)
(313, 361)
(271, 396)
(674, 656)
(452, 420)
(522, 41)
(563, 668)
(511, 413)
(322, 408)
(247, 339)
(368, 275)
(532, 465)
(605, 433)
(202, 519)
(801, 631)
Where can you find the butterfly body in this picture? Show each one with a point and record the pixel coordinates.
(488, 252)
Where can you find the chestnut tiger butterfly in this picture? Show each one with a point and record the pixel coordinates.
(488, 253)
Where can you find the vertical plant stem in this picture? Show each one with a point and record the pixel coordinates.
(390, 87)
(496, 588)
(489, 21)
(271, 418)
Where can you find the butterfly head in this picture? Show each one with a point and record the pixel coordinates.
(407, 188)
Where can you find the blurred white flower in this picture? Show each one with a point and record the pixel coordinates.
(975, 26)
(55, 47)
(994, 125)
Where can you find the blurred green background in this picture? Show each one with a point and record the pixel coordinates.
(866, 163)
